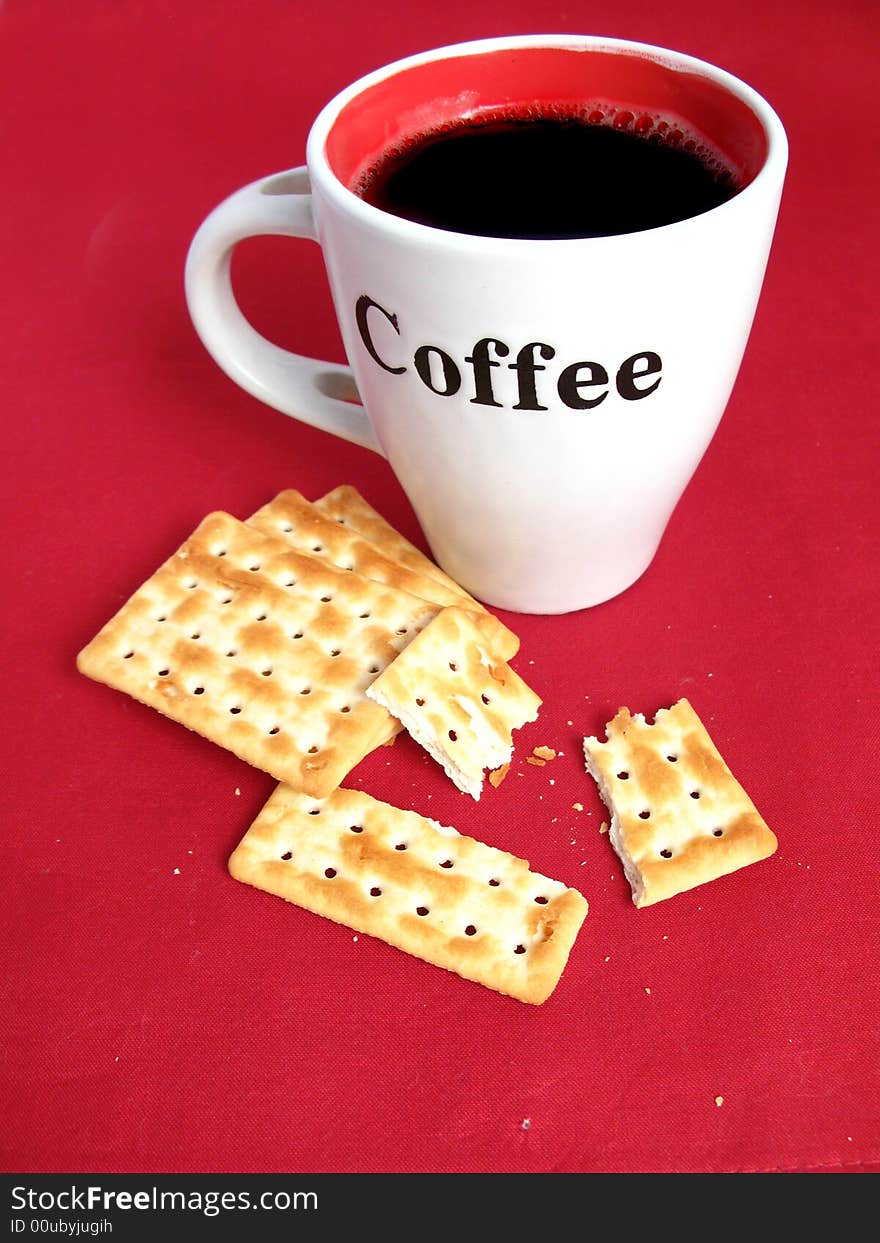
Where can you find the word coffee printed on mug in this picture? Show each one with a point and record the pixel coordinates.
(580, 385)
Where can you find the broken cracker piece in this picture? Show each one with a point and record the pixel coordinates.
(419, 886)
(679, 818)
(533, 759)
(456, 699)
(497, 775)
(544, 753)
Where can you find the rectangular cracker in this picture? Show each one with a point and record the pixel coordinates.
(415, 884)
(456, 699)
(679, 818)
(346, 506)
(261, 649)
(299, 523)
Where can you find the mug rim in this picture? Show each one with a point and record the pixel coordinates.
(345, 199)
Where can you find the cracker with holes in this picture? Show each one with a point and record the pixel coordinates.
(679, 817)
(457, 699)
(261, 649)
(345, 506)
(296, 521)
(415, 884)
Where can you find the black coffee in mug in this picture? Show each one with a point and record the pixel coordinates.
(549, 176)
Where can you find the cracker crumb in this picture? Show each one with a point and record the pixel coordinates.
(719, 1101)
(603, 827)
(176, 872)
(525, 1124)
(531, 759)
(544, 753)
(577, 806)
(354, 938)
(552, 782)
(569, 722)
(237, 792)
(648, 991)
(608, 958)
(498, 774)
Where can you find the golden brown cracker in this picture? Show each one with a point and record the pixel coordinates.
(346, 506)
(679, 818)
(296, 521)
(393, 874)
(261, 649)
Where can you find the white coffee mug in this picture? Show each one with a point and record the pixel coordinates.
(543, 403)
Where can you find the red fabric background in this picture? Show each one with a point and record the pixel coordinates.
(162, 1021)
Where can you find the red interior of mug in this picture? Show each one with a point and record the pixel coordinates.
(627, 89)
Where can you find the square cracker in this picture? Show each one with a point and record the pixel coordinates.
(456, 698)
(261, 649)
(415, 884)
(679, 817)
(299, 523)
(346, 506)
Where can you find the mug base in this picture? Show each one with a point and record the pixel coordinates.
(549, 601)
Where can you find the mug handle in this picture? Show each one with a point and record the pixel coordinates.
(319, 393)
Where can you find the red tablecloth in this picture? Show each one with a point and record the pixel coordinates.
(158, 1016)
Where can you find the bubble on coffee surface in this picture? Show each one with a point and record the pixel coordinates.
(661, 127)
